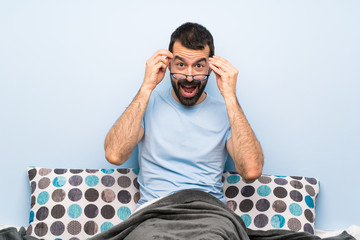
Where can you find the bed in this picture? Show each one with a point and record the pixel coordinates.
(81, 203)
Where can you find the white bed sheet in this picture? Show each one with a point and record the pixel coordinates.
(352, 230)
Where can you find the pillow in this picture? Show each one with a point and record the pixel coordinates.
(79, 203)
(273, 202)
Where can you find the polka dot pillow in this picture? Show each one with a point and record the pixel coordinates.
(273, 202)
(79, 203)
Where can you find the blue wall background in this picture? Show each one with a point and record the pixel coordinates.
(68, 69)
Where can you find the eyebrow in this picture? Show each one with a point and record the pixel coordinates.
(182, 59)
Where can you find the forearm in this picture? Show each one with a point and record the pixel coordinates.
(243, 146)
(247, 153)
(127, 131)
(125, 134)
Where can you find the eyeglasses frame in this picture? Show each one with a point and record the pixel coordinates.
(206, 76)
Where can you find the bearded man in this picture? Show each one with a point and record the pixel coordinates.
(185, 135)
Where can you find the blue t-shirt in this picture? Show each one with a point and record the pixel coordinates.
(183, 147)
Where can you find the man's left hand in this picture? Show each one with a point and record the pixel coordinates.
(226, 75)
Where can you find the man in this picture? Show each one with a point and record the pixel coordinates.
(184, 138)
(184, 135)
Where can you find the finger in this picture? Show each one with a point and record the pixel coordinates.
(222, 67)
(163, 53)
(222, 61)
(222, 64)
(216, 70)
(161, 59)
(161, 66)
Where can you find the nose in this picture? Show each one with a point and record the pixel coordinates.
(189, 77)
(189, 70)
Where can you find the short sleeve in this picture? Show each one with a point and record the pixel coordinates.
(227, 135)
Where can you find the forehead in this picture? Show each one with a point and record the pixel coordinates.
(190, 55)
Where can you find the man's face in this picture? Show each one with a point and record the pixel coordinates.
(189, 62)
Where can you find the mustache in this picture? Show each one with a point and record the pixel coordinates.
(188, 84)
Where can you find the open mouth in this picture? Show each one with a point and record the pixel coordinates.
(188, 91)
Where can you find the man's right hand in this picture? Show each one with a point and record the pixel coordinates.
(127, 131)
(156, 68)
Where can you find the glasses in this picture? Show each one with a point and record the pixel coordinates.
(197, 77)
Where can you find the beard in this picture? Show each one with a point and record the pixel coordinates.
(179, 85)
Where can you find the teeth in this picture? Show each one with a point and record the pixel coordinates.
(189, 89)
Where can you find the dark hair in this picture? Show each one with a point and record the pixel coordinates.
(192, 36)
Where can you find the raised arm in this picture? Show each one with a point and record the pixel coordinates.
(127, 131)
(243, 146)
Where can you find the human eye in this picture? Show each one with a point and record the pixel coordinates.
(180, 64)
